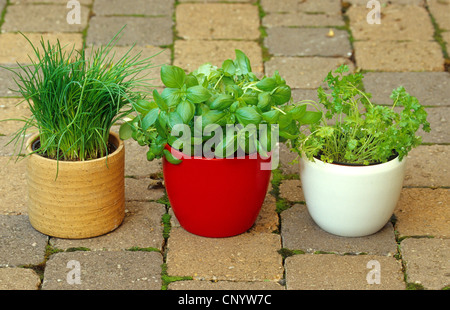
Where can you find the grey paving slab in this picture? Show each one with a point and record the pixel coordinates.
(45, 18)
(287, 160)
(8, 87)
(423, 212)
(247, 257)
(302, 19)
(427, 262)
(439, 121)
(133, 7)
(300, 232)
(283, 41)
(225, 285)
(103, 270)
(431, 88)
(20, 243)
(428, 166)
(82, 2)
(18, 279)
(305, 72)
(156, 31)
(291, 190)
(348, 272)
(141, 228)
(384, 2)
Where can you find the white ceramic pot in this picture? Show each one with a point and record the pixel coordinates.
(351, 201)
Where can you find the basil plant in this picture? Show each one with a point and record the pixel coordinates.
(217, 112)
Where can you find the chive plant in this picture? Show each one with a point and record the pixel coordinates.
(75, 99)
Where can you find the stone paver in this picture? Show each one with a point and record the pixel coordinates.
(300, 232)
(156, 31)
(190, 54)
(399, 56)
(225, 285)
(423, 212)
(307, 42)
(247, 257)
(8, 87)
(343, 272)
(302, 19)
(46, 18)
(427, 165)
(133, 7)
(12, 108)
(217, 21)
(103, 270)
(141, 228)
(431, 88)
(16, 48)
(18, 279)
(14, 192)
(304, 72)
(427, 262)
(20, 243)
(440, 10)
(291, 190)
(311, 6)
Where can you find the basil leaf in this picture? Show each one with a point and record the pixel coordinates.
(228, 67)
(175, 119)
(310, 117)
(212, 117)
(142, 106)
(159, 100)
(248, 115)
(242, 62)
(197, 94)
(172, 96)
(172, 76)
(222, 102)
(298, 111)
(186, 110)
(150, 118)
(267, 84)
(264, 100)
(125, 131)
(281, 94)
(271, 117)
(170, 158)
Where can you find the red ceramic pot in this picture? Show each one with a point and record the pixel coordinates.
(216, 197)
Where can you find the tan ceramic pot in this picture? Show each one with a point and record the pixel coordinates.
(76, 200)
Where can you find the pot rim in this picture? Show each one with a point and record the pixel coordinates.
(181, 155)
(112, 135)
(353, 168)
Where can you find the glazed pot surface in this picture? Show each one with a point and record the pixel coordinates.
(216, 197)
(351, 201)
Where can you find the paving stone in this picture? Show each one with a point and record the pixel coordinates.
(395, 24)
(2, 4)
(431, 88)
(12, 108)
(343, 272)
(307, 42)
(427, 261)
(133, 7)
(212, 1)
(291, 190)
(440, 130)
(20, 243)
(304, 72)
(300, 232)
(385, 2)
(16, 48)
(311, 6)
(141, 189)
(18, 279)
(440, 10)
(82, 2)
(428, 166)
(225, 285)
(217, 21)
(46, 18)
(302, 19)
(7, 85)
(190, 54)
(423, 212)
(267, 220)
(14, 192)
(288, 160)
(399, 56)
(156, 31)
(141, 228)
(103, 270)
(246, 257)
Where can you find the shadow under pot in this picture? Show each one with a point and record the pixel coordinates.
(216, 197)
(349, 200)
(76, 199)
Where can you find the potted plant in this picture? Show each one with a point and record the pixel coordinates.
(353, 161)
(216, 131)
(75, 167)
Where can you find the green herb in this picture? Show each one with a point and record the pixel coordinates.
(226, 108)
(74, 100)
(360, 131)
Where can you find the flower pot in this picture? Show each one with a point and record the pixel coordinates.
(76, 200)
(351, 201)
(216, 197)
